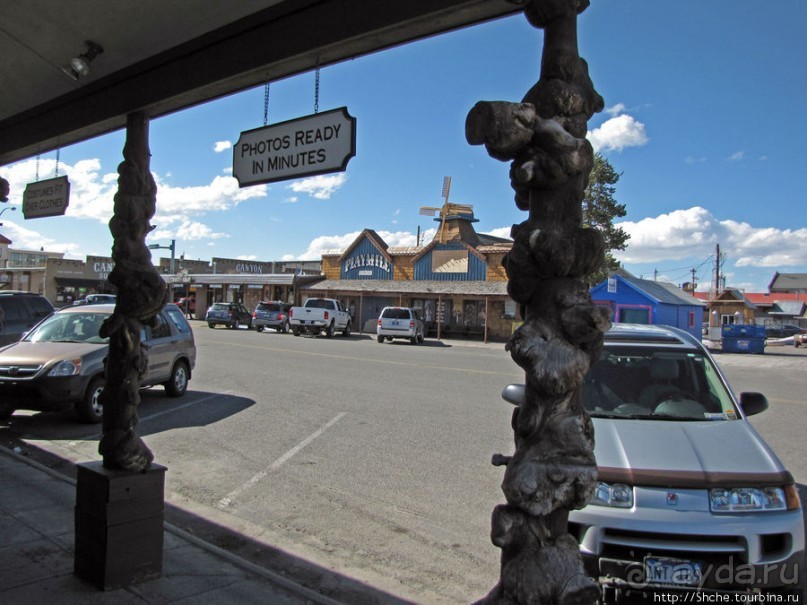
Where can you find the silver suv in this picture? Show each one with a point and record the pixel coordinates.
(689, 494)
(60, 363)
(400, 322)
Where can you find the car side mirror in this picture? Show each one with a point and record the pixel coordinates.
(753, 403)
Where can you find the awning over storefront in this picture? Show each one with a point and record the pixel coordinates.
(83, 282)
(423, 288)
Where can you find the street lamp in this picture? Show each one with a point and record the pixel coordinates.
(4, 209)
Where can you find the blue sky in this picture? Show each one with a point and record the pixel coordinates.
(704, 120)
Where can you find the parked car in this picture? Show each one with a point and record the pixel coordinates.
(783, 330)
(97, 299)
(272, 314)
(400, 322)
(19, 312)
(60, 363)
(233, 315)
(689, 494)
(187, 304)
(320, 315)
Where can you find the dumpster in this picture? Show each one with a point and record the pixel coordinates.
(742, 338)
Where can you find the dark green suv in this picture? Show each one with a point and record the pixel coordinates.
(19, 312)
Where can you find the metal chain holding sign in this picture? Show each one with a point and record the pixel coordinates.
(316, 87)
(552, 469)
(56, 170)
(266, 104)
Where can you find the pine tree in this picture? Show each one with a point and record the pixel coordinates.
(600, 208)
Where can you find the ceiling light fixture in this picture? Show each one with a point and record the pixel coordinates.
(80, 66)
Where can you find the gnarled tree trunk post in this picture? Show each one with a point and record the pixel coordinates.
(552, 470)
(141, 294)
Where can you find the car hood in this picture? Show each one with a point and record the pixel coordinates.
(684, 454)
(41, 353)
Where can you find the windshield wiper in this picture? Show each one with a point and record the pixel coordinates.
(660, 417)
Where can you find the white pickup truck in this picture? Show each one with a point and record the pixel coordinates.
(320, 314)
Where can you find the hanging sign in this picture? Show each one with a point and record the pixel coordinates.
(46, 198)
(315, 144)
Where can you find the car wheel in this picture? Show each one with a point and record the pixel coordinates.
(178, 383)
(90, 408)
(346, 331)
(380, 339)
(329, 330)
(296, 331)
(211, 325)
(259, 328)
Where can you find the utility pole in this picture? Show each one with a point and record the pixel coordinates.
(717, 270)
(694, 285)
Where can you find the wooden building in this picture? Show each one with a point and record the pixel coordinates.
(456, 282)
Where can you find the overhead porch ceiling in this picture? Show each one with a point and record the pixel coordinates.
(162, 56)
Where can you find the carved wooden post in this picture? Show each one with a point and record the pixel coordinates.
(141, 294)
(552, 470)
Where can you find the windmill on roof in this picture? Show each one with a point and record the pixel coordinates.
(462, 214)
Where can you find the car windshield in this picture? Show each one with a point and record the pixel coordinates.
(648, 383)
(69, 327)
(395, 313)
(220, 307)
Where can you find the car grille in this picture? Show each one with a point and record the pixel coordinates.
(19, 371)
(618, 541)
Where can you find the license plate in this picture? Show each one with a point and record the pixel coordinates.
(672, 572)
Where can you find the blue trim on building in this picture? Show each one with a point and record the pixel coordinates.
(366, 262)
(477, 268)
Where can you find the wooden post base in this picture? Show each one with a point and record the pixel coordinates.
(118, 525)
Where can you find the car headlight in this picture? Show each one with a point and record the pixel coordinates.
(617, 495)
(753, 499)
(66, 367)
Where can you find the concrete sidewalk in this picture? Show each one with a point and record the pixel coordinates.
(37, 547)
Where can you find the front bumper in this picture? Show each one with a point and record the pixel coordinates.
(43, 393)
(726, 551)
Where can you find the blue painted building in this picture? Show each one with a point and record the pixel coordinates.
(642, 301)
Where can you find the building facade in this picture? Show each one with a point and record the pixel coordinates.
(456, 282)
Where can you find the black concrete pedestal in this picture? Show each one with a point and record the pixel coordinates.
(119, 525)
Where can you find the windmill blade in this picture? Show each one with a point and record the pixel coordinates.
(446, 186)
(429, 210)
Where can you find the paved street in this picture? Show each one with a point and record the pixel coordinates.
(371, 460)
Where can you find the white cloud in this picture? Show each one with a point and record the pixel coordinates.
(736, 156)
(694, 232)
(320, 187)
(617, 133)
(693, 160)
(26, 239)
(339, 243)
(220, 146)
(499, 232)
(615, 110)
